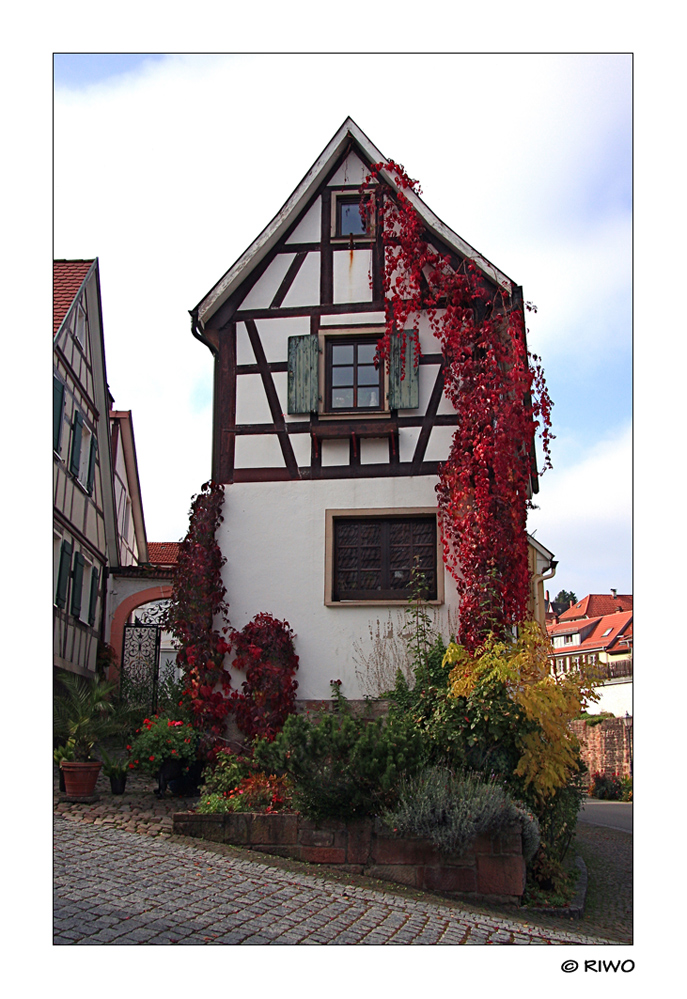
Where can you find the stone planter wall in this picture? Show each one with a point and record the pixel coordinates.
(493, 868)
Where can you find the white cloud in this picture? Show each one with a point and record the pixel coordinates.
(585, 518)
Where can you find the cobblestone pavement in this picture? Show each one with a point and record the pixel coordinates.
(608, 856)
(116, 886)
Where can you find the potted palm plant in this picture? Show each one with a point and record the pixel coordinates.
(82, 716)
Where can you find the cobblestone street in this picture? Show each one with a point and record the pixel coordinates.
(121, 879)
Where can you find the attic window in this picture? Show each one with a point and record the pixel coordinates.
(349, 221)
(607, 632)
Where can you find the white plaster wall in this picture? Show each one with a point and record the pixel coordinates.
(305, 289)
(308, 229)
(354, 318)
(244, 349)
(265, 288)
(407, 441)
(374, 450)
(251, 400)
(336, 453)
(439, 443)
(301, 449)
(273, 536)
(351, 171)
(258, 451)
(351, 274)
(275, 333)
(615, 697)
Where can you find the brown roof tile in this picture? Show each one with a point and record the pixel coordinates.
(596, 605)
(163, 552)
(67, 276)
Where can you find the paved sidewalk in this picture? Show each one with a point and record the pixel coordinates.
(116, 887)
(121, 878)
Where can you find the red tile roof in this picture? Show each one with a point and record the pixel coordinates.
(67, 278)
(597, 604)
(618, 625)
(163, 552)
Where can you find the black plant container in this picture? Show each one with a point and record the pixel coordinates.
(118, 784)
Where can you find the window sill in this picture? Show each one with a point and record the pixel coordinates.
(379, 603)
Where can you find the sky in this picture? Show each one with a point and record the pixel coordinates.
(166, 167)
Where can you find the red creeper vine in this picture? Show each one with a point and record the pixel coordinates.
(500, 396)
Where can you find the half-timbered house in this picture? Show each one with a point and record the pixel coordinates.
(97, 515)
(330, 462)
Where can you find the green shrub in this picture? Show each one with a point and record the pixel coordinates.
(611, 787)
(258, 792)
(343, 767)
(452, 810)
(227, 773)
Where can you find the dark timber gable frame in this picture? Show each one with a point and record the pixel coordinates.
(304, 268)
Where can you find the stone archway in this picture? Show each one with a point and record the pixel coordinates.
(121, 616)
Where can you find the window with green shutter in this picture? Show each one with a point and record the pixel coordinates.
(77, 584)
(91, 464)
(63, 574)
(404, 380)
(77, 431)
(93, 601)
(303, 385)
(57, 412)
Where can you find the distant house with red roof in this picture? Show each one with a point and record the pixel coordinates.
(583, 636)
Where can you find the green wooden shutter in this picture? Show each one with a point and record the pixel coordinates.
(304, 363)
(63, 573)
(404, 393)
(91, 464)
(77, 584)
(93, 597)
(75, 459)
(57, 411)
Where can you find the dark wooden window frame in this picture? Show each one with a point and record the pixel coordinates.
(355, 339)
(347, 199)
(386, 595)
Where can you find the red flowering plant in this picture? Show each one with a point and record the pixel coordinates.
(265, 652)
(258, 792)
(497, 389)
(160, 739)
(196, 606)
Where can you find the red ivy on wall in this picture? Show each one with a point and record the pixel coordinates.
(197, 602)
(265, 652)
(500, 396)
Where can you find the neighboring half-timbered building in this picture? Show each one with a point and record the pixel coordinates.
(98, 517)
(330, 463)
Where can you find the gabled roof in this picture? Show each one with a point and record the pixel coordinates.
(68, 277)
(596, 604)
(163, 552)
(593, 632)
(349, 133)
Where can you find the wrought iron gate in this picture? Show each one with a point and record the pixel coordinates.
(140, 665)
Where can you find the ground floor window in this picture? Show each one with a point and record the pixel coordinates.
(371, 556)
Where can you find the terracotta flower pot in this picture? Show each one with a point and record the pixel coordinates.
(80, 778)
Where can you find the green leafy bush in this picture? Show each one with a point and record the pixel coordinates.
(343, 767)
(160, 739)
(227, 773)
(258, 792)
(611, 787)
(451, 810)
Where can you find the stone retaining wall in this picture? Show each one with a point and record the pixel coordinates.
(607, 746)
(492, 869)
